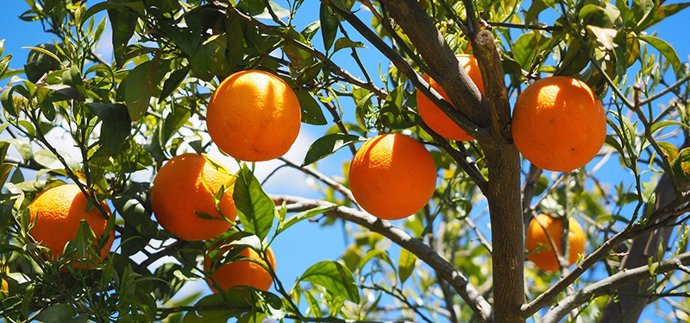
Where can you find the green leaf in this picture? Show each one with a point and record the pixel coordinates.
(5, 170)
(311, 111)
(254, 208)
(329, 25)
(123, 21)
(139, 86)
(210, 58)
(604, 36)
(662, 13)
(527, 47)
(605, 17)
(668, 149)
(406, 263)
(57, 313)
(41, 60)
(665, 49)
(299, 57)
(537, 7)
(7, 100)
(327, 145)
(334, 277)
(303, 216)
(116, 125)
(173, 82)
(347, 43)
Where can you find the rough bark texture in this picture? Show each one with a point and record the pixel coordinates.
(489, 111)
(507, 234)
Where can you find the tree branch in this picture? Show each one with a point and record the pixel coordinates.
(445, 69)
(606, 285)
(446, 271)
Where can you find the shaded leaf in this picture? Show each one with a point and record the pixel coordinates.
(311, 110)
(116, 125)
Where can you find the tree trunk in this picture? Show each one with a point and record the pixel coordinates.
(506, 232)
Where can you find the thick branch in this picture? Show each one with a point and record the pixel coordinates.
(496, 97)
(445, 270)
(445, 69)
(605, 286)
(459, 116)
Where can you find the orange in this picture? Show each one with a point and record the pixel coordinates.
(182, 198)
(546, 258)
(57, 214)
(254, 116)
(434, 117)
(392, 176)
(241, 272)
(558, 124)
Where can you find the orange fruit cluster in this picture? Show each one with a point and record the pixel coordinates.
(57, 214)
(544, 232)
(558, 122)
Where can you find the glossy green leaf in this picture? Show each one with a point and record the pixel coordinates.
(406, 263)
(57, 313)
(123, 22)
(334, 277)
(311, 110)
(665, 49)
(327, 145)
(329, 25)
(254, 208)
(301, 216)
(347, 43)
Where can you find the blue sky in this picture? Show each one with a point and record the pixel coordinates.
(305, 243)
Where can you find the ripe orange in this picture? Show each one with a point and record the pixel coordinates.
(546, 258)
(57, 214)
(182, 198)
(254, 116)
(241, 272)
(558, 123)
(434, 117)
(392, 176)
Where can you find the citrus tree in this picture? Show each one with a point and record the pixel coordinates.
(520, 161)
